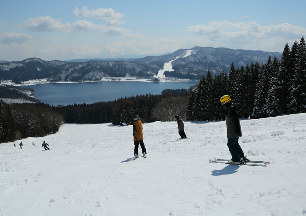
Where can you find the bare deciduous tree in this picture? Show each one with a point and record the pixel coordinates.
(169, 107)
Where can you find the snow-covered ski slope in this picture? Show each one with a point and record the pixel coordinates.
(168, 65)
(89, 171)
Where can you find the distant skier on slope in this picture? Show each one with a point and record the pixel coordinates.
(180, 126)
(21, 145)
(233, 129)
(138, 137)
(45, 145)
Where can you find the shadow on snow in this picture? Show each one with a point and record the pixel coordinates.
(228, 170)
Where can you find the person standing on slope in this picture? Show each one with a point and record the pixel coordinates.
(233, 129)
(180, 126)
(45, 145)
(138, 137)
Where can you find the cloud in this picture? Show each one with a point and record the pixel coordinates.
(107, 15)
(42, 24)
(246, 31)
(165, 41)
(83, 25)
(286, 30)
(10, 38)
(47, 24)
(116, 31)
(1, 23)
(46, 40)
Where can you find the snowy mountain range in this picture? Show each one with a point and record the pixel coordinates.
(201, 59)
(184, 63)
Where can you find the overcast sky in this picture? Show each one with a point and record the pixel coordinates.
(75, 29)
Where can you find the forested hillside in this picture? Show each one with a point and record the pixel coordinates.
(13, 92)
(35, 68)
(19, 121)
(122, 111)
(274, 88)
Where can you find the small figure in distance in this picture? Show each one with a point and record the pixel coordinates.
(45, 145)
(180, 126)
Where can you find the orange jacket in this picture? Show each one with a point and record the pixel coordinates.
(137, 130)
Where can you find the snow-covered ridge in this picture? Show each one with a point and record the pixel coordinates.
(89, 171)
(8, 66)
(15, 101)
(34, 60)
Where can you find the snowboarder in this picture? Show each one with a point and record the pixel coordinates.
(45, 145)
(180, 126)
(138, 137)
(233, 129)
(20, 144)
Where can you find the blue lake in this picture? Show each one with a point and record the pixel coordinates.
(79, 93)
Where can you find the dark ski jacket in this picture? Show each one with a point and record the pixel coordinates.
(44, 144)
(232, 121)
(180, 125)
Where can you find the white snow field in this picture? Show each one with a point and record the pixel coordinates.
(89, 171)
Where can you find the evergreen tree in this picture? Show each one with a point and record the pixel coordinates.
(220, 88)
(2, 121)
(232, 77)
(236, 87)
(262, 88)
(253, 79)
(271, 101)
(242, 92)
(284, 81)
(209, 108)
(298, 90)
(190, 112)
(200, 99)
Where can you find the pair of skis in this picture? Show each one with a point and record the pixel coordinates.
(249, 163)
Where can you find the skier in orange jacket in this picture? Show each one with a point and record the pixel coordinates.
(138, 137)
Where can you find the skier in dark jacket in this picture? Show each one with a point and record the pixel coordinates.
(138, 137)
(45, 145)
(180, 126)
(233, 129)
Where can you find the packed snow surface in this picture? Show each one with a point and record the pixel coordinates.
(89, 171)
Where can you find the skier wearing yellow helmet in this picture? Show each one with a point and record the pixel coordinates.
(233, 129)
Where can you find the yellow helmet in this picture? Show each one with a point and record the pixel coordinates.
(225, 99)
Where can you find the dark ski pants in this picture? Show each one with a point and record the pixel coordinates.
(46, 148)
(182, 134)
(235, 149)
(136, 143)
